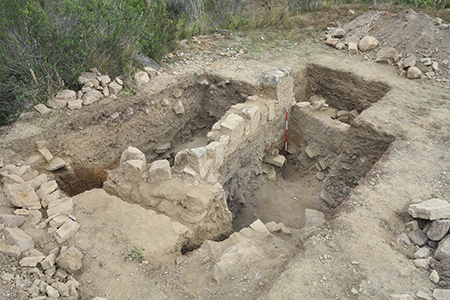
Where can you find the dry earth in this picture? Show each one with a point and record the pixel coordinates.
(357, 254)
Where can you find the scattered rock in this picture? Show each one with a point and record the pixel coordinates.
(42, 109)
(159, 170)
(423, 295)
(75, 104)
(434, 276)
(22, 195)
(352, 48)
(18, 237)
(114, 87)
(430, 209)
(439, 294)
(55, 164)
(418, 237)
(132, 153)
(443, 249)
(313, 217)
(11, 250)
(91, 96)
(368, 43)
(387, 55)
(66, 95)
(277, 161)
(66, 231)
(141, 78)
(438, 229)
(70, 260)
(11, 221)
(48, 156)
(178, 108)
(337, 33)
(410, 61)
(332, 42)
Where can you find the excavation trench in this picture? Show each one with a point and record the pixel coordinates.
(330, 149)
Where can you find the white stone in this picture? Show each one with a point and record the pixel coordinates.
(352, 48)
(22, 195)
(141, 77)
(18, 237)
(178, 108)
(48, 262)
(70, 260)
(433, 209)
(46, 153)
(10, 179)
(197, 160)
(423, 252)
(277, 161)
(259, 227)
(52, 292)
(55, 164)
(104, 79)
(443, 249)
(42, 109)
(46, 189)
(434, 276)
(413, 73)
(57, 103)
(62, 206)
(313, 217)
(66, 231)
(91, 97)
(387, 55)
(423, 295)
(437, 229)
(66, 95)
(75, 104)
(159, 170)
(368, 43)
(38, 181)
(233, 126)
(132, 153)
(439, 294)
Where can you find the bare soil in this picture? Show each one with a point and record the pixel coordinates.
(356, 255)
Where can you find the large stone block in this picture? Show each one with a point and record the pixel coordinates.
(233, 126)
(443, 249)
(313, 217)
(433, 209)
(22, 195)
(62, 206)
(197, 160)
(368, 43)
(70, 260)
(438, 229)
(159, 170)
(91, 97)
(66, 231)
(46, 189)
(48, 262)
(38, 181)
(133, 153)
(11, 221)
(253, 114)
(18, 237)
(215, 155)
(11, 250)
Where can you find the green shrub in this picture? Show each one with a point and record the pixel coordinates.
(134, 254)
(46, 44)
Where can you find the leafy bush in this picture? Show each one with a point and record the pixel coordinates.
(46, 44)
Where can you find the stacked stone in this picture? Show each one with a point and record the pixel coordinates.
(432, 239)
(94, 87)
(49, 273)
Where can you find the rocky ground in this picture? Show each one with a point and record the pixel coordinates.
(375, 245)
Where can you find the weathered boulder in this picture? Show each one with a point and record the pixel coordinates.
(57, 103)
(260, 228)
(22, 195)
(67, 95)
(332, 41)
(178, 108)
(443, 249)
(132, 153)
(432, 209)
(33, 258)
(114, 88)
(18, 237)
(159, 170)
(11, 221)
(387, 55)
(337, 33)
(91, 96)
(75, 104)
(313, 217)
(438, 229)
(66, 231)
(70, 260)
(141, 77)
(368, 43)
(418, 237)
(414, 73)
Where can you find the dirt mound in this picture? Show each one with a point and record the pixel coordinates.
(410, 33)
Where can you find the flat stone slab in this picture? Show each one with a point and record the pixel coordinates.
(11, 221)
(418, 237)
(443, 249)
(22, 195)
(438, 229)
(277, 161)
(18, 237)
(55, 164)
(433, 209)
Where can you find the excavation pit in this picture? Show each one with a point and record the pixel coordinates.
(220, 139)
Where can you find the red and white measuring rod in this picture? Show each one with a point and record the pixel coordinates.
(286, 140)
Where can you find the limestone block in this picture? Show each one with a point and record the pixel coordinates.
(233, 126)
(132, 153)
(50, 198)
(38, 181)
(277, 161)
(11, 250)
(159, 170)
(22, 195)
(197, 160)
(259, 227)
(273, 227)
(132, 170)
(215, 155)
(178, 108)
(338, 33)
(75, 104)
(413, 225)
(433, 209)
(66, 231)
(141, 77)
(253, 114)
(48, 262)
(61, 288)
(443, 249)
(312, 217)
(32, 260)
(161, 148)
(410, 61)
(55, 164)
(150, 71)
(414, 73)
(387, 55)
(52, 292)
(18, 237)
(179, 228)
(332, 42)
(46, 189)
(62, 206)
(181, 158)
(70, 260)
(104, 79)
(352, 48)
(401, 297)
(29, 175)
(418, 237)
(42, 109)
(66, 95)
(46, 153)
(9, 179)
(438, 229)
(11, 221)
(57, 103)
(368, 43)
(236, 258)
(58, 221)
(423, 263)
(192, 217)
(439, 294)
(91, 97)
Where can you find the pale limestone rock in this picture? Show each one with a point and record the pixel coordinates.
(70, 260)
(423, 295)
(46, 153)
(62, 206)
(337, 33)
(46, 189)
(57, 103)
(368, 43)
(259, 227)
(66, 231)
(32, 260)
(273, 227)
(430, 209)
(61, 288)
(178, 108)
(439, 294)
(423, 252)
(233, 126)
(277, 161)
(413, 73)
(413, 225)
(352, 48)
(150, 71)
(22, 195)
(141, 77)
(67, 95)
(52, 292)
(332, 42)
(418, 237)
(434, 276)
(410, 61)
(50, 198)
(10, 179)
(11, 250)
(437, 229)
(91, 96)
(18, 237)
(443, 249)
(104, 79)
(132, 153)
(42, 109)
(313, 217)
(159, 170)
(387, 55)
(423, 263)
(11, 221)
(38, 181)
(58, 221)
(197, 160)
(75, 104)
(48, 262)
(55, 164)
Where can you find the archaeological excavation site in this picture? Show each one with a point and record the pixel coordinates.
(316, 175)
